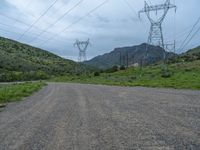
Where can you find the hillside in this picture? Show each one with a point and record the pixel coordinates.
(23, 62)
(181, 72)
(180, 75)
(190, 55)
(129, 56)
(194, 51)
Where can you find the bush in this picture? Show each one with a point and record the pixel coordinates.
(41, 75)
(122, 68)
(96, 74)
(112, 70)
(165, 73)
(10, 76)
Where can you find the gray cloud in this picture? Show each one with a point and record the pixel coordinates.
(113, 25)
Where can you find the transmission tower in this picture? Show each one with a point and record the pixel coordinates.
(82, 46)
(155, 34)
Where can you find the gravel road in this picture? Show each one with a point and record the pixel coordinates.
(95, 117)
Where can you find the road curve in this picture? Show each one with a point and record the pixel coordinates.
(95, 117)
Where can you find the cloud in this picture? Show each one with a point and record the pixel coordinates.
(114, 24)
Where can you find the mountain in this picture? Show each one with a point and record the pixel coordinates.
(19, 61)
(190, 55)
(129, 56)
(194, 51)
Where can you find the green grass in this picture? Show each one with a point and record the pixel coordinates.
(21, 62)
(15, 92)
(182, 76)
(2, 85)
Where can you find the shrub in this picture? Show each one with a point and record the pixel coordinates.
(112, 70)
(96, 74)
(122, 68)
(165, 73)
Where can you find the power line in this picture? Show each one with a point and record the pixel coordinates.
(14, 32)
(38, 19)
(75, 22)
(193, 27)
(51, 25)
(131, 8)
(12, 18)
(27, 6)
(191, 37)
(134, 11)
(21, 22)
(9, 26)
(8, 31)
(150, 2)
(178, 35)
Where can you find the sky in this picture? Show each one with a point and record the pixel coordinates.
(114, 24)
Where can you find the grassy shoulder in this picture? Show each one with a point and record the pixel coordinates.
(181, 76)
(15, 92)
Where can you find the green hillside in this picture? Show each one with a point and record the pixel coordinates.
(178, 75)
(190, 55)
(194, 51)
(23, 62)
(182, 71)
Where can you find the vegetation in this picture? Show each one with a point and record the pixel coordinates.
(20, 62)
(194, 51)
(189, 56)
(179, 75)
(126, 56)
(15, 92)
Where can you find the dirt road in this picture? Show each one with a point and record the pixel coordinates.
(90, 117)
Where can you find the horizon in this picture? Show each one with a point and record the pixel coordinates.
(114, 24)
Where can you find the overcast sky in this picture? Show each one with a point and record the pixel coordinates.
(114, 24)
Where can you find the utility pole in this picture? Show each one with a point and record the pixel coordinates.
(133, 59)
(146, 54)
(171, 48)
(124, 60)
(156, 35)
(120, 58)
(127, 59)
(82, 46)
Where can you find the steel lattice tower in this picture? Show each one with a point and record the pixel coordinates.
(82, 46)
(155, 34)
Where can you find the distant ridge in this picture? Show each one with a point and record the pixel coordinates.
(132, 54)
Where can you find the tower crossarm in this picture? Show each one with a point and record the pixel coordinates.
(166, 6)
(157, 8)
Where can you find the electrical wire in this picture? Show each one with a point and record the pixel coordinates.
(150, 2)
(14, 32)
(193, 27)
(32, 25)
(21, 22)
(191, 37)
(60, 18)
(131, 8)
(75, 22)
(8, 31)
(12, 18)
(27, 6)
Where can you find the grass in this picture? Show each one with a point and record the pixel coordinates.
(182, 76)
(15, 92)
